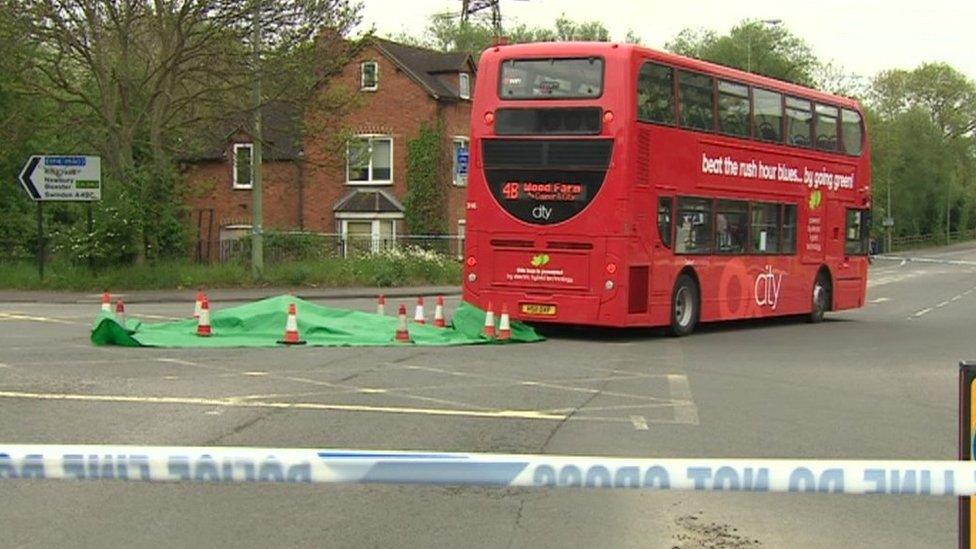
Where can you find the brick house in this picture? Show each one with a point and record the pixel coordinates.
(347, 175)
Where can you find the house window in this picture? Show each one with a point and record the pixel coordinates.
(464, 85)
(369, 75)
(367, 235)
(369, 160)
(461, 232)
(243, 165)
(461, 161)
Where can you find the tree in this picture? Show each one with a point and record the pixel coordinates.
(148, 75)
(935, 87)
(770, 50)
(447, 33)
(926, 118)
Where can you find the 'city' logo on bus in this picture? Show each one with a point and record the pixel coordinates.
(767, 288)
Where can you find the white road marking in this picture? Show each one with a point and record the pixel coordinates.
(941, 305)
(639, 422)
(255, 374)
(923, 312)
(2, 365)
(236, 403)
(685, 410)
(20, 316)
(880, 300)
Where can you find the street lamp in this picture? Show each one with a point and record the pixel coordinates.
(767, 22)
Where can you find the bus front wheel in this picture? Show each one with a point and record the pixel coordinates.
(684, 306)
(820, 298)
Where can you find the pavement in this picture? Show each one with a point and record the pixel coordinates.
(878, 382)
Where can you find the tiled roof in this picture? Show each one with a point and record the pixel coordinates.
(281, 130)
(425, 66)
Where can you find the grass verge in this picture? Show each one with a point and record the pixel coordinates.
(379, 270)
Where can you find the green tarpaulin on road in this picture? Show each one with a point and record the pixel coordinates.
(262, 324)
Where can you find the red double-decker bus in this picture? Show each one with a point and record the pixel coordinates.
(615, 185)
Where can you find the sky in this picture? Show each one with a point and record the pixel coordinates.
(862, 36)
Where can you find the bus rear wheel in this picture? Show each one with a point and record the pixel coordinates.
(684, 306)
(820, 298)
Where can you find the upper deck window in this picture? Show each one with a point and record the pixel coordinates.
(799, 122)
(827, 127)
(696, 100)
(655, 93)
(851, 130)
(566, 78)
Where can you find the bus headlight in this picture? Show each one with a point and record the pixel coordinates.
(608, 285)
(472, 277)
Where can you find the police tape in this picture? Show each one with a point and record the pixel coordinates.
(308, 466)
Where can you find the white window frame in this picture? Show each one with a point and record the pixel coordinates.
(464, 85)
(237, 146)
(362, 76)
(374, 219)
(462, 234)
(454, 175)
(370, 137)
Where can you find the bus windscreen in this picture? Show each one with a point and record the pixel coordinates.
(553, 78)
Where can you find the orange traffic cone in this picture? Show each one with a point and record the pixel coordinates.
(120, 312)
(489, 330)
(291, 328)
(439, 312)
(381, 305)
(199, 302)
(106, 302)
(203, 323)
(418, 316)
(402, 335)
(504, 325)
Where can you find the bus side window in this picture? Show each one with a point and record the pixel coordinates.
(789, 229)
(765, 228)
(694, 232)
(851, 131)
(733, 108)
(696, 101)
(799, 120)
(856, 232)
(827, 127)
(731, 226)
(664, 220)
(767, 115)
(655, 94)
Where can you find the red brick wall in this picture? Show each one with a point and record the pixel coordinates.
(397, 108)
(209, 186)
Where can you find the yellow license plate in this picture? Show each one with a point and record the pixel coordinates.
(537, 309)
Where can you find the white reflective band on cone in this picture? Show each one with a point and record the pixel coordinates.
(227, 464)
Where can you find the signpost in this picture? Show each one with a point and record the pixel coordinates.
(69, 178)
(967, 429)
(461, 161)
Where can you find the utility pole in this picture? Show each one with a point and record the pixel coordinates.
(257, 239)
(948, 205)
(764, 22)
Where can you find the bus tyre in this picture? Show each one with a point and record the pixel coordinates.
(820, 298)
(684, 306)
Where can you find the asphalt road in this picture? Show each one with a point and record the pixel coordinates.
(879, 382)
